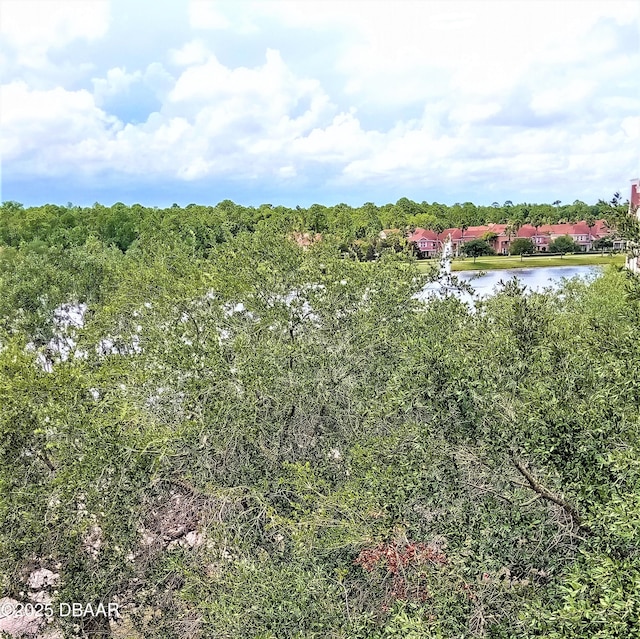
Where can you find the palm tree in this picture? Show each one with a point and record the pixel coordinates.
(438, 226)
(536, 221)
(512, 228)
(590, 222)
(463, 227)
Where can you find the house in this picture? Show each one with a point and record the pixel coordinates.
(427, 242)
(634, 200)
(633, 260)
(500, 236)
(579, 233)
(305, 240)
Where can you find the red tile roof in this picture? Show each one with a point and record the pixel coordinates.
(456, 234)
(599, 229)
(526, 231)
(305, 240)
(423, 234)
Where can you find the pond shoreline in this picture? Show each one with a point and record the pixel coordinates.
(486, 283)
(500, 263)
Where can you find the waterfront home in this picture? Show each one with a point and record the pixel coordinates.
(633, 259)
(500, 236)
(634, 200)
(427, 242)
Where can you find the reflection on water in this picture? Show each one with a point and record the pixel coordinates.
(535, 279)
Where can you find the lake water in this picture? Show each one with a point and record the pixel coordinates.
(535, 279)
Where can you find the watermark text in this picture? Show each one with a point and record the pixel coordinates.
(9, 609)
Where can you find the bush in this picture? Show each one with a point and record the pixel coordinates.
(476, 248)
(603, 243)
(563, 244)
(522, 245)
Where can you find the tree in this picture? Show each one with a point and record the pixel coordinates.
(603, 243)
(522, 246)
(476, 248)
(316, 218)
(463, 227)
(537, 220)
(490, 237)
(563, 244)
(438, 226)
(512, 228)
(590, 221)
(283, 442)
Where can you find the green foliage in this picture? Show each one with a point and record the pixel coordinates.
(522, 245)
(563, 244)
(599, 596)
(476, 248)
(203, 227)
(245, 438)
(603, 243)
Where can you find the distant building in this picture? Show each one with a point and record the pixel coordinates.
(428, 242)
(633, 260)
(634, 200)
(305, 240)
(500, 236)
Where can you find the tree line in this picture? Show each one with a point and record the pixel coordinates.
(205, 226)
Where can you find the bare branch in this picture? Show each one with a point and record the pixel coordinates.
(47, 461)
(485, 489)
(546, 494)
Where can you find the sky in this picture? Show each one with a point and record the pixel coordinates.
(303, 101)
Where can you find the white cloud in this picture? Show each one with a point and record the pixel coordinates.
(468, 112)
(416, 51)
(421, 93)
(157, 78)
(262, 97)
(568, 96)
(213, 118)
(342, 140)
(34, 27)
(287, 171)
(42, 121)
(212, 80)
(193, 52)
(117, 80)
(631, 128)
(204, 14)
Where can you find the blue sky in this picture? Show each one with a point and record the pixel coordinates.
(303, 101)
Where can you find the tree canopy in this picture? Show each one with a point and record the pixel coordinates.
(522, 245)
(205, 226)
(563, 244)
(476, 248)
(233, 435)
